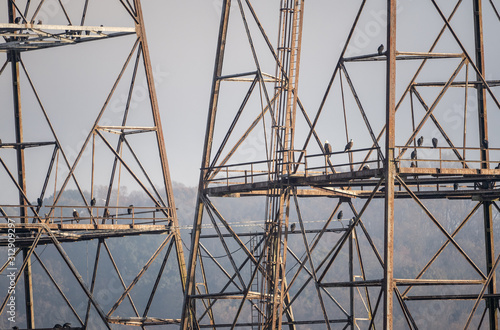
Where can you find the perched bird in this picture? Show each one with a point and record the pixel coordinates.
(420, 141)
(434, 142)
(380, 49)
(328, 148)
(412, 164)
(455, 186)
(129, 210)
(348, 146)
(39, 202)
(92, 202)
(292, 227)
(18, 20)
(39, 22)
(76, 216)
(66, 325)
(340, 215)
(414, 154)
(366, 167)
(57, 326)
(485, 144)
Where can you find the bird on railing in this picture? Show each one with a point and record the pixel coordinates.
(455, 186)
(434, 142)
(92, 202)
(380, 49)
(414, 154)
(366, 167)
(328, 148)
(348, 146)
(76, 216)
(129, 210)
(340, 215)
(292, 227)
(420, 141)
(39, 202)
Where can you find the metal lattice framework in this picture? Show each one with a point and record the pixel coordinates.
(289, 272)
(123, 146)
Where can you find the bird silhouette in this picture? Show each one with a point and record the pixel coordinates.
(39, 202)
(455, 186)
(434, 142)
(348, 146)
(92, 202)
(18, 20)
(39, 22)
(76, 216)
(292, 227)
(340, 215)
(485, 144)
(66, 325)
(57, 326)
(328, 148)
(380, 49)
(414, 154)
(129, 210)
(420, 141)
(366, 167)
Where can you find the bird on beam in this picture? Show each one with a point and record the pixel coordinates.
(340, 215)
(455, 186)
(434, 142)
(414, 154)
(348, 146)
(76, 216)
(39, 202)
(380, 49)
(420, 141)
(92, 202)
(328, 148)
(292, 227)
(129, 210)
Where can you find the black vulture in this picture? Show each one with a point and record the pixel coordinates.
(92, 202)
(348, 146)
(414, 154)
(39, 202)
(485, 144)
(340, 215)
(129, 210)
(420, 141)
(455, 186)
(380, 49)
(328, 148)
(76, 216)
(434, 142)
(292, 227)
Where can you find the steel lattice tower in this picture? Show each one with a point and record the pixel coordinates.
(47, 238)
(408, 164)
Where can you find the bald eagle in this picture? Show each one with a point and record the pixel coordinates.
(340, 215)
(348, 146)
(380, 49)
(420, 141)
(434, 142)
(328, 148)
(76, 216)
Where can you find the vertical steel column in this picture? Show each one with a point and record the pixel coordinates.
(188, 307)
(390, 166)
(491, 303)
(14, 57)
